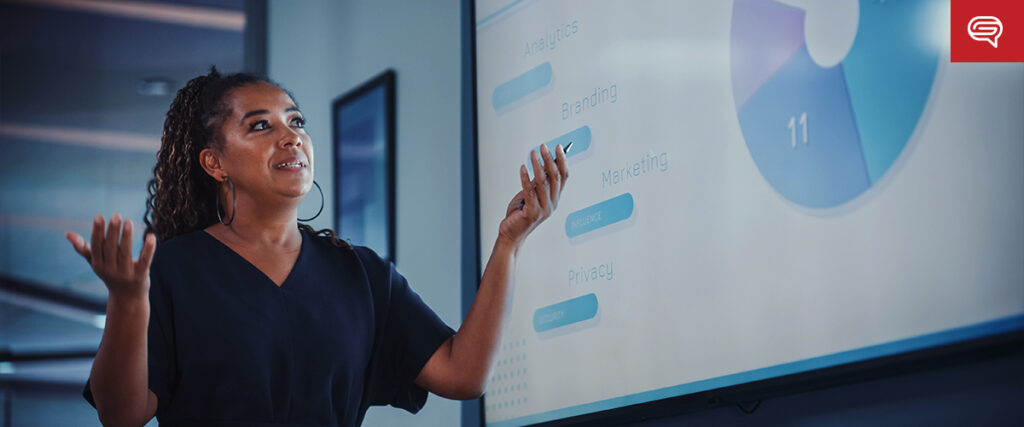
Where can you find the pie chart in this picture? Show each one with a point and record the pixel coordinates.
(829, 92)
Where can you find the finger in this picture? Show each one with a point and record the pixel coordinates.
(148, 247)
(74, 239)
(539, 181)
(97, 242)
(563, 166)
(554, 178)
(529, 196)
(79, 244)
(110, 242)
(515, 203)
(124, 250)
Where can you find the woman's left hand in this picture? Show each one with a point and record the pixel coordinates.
(460, 367)
(540, 195)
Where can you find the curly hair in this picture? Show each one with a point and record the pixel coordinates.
(181, 195)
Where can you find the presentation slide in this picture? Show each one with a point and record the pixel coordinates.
(757, 188)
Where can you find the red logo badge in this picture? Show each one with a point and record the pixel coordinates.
(987, 31)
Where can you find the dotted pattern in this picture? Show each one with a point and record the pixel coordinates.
(508, 387)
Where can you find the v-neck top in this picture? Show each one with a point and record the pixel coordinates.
(228, 346)
(232, 251)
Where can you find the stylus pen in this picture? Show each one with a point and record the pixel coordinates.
(564, 150)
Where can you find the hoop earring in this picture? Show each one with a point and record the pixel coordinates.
(234, 204)
(321, 204)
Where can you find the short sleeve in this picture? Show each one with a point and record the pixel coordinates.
(410, 334)
(160, 344)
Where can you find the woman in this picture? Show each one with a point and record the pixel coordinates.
(242, 315)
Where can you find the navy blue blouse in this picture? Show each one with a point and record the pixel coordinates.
(227, 346)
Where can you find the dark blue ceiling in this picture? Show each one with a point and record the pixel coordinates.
(79, 69)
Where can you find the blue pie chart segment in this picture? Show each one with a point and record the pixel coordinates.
(822, 136)
(889, 72)
(818, 174)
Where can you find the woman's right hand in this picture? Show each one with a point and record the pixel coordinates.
(110, 255)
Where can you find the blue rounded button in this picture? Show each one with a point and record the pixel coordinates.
(524, 84)
(565, 313)
(599, 215)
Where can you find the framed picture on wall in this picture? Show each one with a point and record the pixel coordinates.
(364, 173)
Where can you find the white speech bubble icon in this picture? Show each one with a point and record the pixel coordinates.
(985, 29)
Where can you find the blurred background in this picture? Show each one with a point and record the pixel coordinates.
(84, 89)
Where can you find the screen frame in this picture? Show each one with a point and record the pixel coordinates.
(385, 81)
(745, 396)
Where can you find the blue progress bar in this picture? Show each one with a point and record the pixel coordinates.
(525, 84)
(599, 215)
(565, 313)
(580, 138)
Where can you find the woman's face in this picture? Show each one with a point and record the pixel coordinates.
(266, 151)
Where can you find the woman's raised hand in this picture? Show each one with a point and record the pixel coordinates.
(110, 255)
(540, 196)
